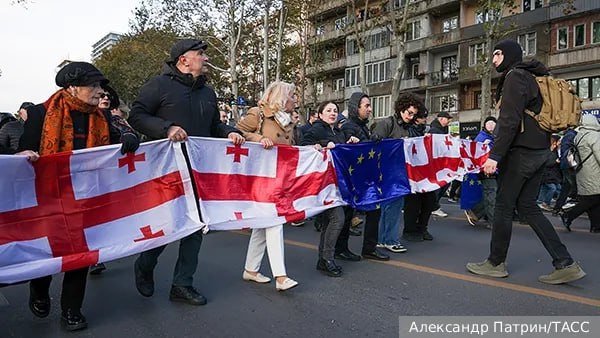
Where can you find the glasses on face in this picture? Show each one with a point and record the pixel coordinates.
(104, 96)
(410, 113)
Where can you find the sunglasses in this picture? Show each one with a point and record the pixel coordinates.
(104, 96)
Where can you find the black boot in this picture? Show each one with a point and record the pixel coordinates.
(329, 267)
(73, 320)
(39, 304)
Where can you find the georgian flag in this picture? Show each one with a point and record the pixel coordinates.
(246, 186)
(75, 209)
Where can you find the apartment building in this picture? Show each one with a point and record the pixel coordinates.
(105, 43)
(445, 40)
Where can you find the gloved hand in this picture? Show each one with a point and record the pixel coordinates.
(375, 137)
(130, 143)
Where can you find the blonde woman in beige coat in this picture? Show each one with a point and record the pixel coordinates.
(270, 123)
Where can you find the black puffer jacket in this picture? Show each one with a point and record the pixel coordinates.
(519, 92)
(174, 98)
(552, 174)
(10, 134)
(436, 128)
(322, 133)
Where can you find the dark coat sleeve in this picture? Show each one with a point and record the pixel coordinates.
(143, 112)
(219, 129)
(32, 129)
(514, 100)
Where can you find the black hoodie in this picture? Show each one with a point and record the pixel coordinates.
(519, 91)
(174, 98)
(355, 126)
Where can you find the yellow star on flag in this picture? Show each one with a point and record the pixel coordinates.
(360, 159)
(371, 154)
(471, 182)
(350, 170)
(380, 192)
(380, 177)
(379, 156)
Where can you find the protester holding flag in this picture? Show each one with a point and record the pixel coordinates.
(484, 206)
(520, 152)
(359, 111)
(440, 126)
(173, 105)
(70, 119)
(270, 123)
(396, 126)
(324, 132)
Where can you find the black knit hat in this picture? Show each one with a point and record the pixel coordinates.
(512, 51)
(489, 118)
(183, 46)
(26, 105)
(79, 74)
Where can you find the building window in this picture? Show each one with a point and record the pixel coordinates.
(340, 23)
(338, 85)
(446, 103)
(381, 105)
(400, 3)
(378, 40)
(352, 47)
(449, 69)
(587, 87)
(596, 32)
(477, 100)
(485, 16)
(378, 72)
(595, 90)
(562, 38)
(320, 30)
(529, 5)
(579, 35)
(413, 31)
(352, 79)
(414, 73)
(319, 87)
(476, 53)
(528, 42)
(449, 24)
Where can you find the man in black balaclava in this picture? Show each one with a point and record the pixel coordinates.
(520, 152)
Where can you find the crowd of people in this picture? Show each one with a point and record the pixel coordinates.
(526, 168)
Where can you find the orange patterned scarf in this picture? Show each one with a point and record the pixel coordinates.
(57, 132)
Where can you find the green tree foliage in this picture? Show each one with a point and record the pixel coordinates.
(135, 59)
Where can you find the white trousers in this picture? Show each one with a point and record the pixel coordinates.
(271, 239)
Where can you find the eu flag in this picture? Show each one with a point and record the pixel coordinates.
(371, 173)
(471, 191)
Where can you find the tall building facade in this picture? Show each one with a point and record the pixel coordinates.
(444, 41)
(105, 43)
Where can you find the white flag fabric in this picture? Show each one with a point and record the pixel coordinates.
(75, 209)
(246, 186)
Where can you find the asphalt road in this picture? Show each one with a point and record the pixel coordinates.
(428, 280)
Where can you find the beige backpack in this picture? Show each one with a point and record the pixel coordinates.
(561, 108)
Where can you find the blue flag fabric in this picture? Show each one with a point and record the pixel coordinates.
(471, 192)
(371, 173)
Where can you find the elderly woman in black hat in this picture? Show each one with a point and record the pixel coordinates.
(69, 120)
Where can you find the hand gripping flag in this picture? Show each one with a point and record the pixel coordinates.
(471, 191)
(246, 186)
(75, 209)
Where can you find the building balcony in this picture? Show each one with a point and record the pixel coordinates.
(436, 4)
(326, 36)
(442, 78)
(331, 96)
(443, 39)
(411, 83)
(574, 57)
(329, 6)
(327, 66)
(557, 11)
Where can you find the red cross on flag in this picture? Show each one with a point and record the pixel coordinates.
(435, 160)
(75, 209)
(248, 186)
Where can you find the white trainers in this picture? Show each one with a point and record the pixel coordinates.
(397, 248)
(259, 278)
(439, 213)
(287, 284)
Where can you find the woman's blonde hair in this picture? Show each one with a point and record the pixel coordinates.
(276, 95)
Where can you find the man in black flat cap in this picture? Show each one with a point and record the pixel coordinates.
(173, 105)
(520, 152)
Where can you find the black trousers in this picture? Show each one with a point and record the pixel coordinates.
(417, 211)
(568, 186)
(73, 288)
(371, 231)
(519, 179)
(589, 204)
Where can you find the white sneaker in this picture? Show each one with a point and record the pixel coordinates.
(380, 245)
(568, 205)
(259, 278)
(397, 248)
(439, 213)
(287, 284)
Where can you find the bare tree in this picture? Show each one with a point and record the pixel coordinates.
(398, 20)
(283, 15)
(266, 14)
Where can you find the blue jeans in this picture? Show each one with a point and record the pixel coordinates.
(547, 191)
(389, 224)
